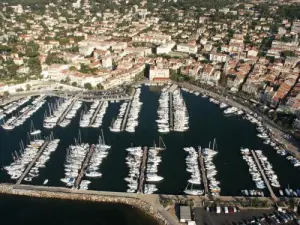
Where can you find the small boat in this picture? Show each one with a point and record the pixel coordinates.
(45, 182)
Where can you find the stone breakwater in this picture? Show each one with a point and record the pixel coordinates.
(72, 194)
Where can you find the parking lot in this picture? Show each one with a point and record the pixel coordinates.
(202, 217)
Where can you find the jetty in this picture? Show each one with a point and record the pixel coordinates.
(264, 176)
(127, 113)
(39, 153)
(84, 166)
(171, 111)
(66, 111)
(204, 178)
(96, 113)
(142, 170)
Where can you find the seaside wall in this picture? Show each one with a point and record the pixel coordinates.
(72, 194)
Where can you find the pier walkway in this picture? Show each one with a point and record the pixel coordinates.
(173, 88)
(39, 153)
(84, 166)
(264, 176)
(24, 113)
(171, 111)
(66, 111)
(204, 179)
(142, 170)
(126, 113)
(95, 113)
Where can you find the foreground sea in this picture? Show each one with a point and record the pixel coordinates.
(207, 122)
(20, 210)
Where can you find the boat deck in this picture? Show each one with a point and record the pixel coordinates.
(127, 113)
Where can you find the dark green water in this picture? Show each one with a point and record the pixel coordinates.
(20, 210)
(206, 123)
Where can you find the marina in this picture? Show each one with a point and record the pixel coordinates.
(120, 170)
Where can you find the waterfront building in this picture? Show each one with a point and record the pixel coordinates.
(159, 74)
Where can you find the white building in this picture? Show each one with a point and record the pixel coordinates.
(217, 57)
(187, 48)
(165, 48)
(159, 74)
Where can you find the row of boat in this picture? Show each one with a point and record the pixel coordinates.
(117, 124)
(193, 169)
(134, 111)
(56, 110)
(133, 161)
(163, 113)
(74, 159)
(211, 171)
(101, 151)
(13, 106)
(71, 114)
(99, 116)
(86, 117)
(27, 112)
(268, 168)
(253, 169)
(151, 172)
(41, 161)
(181, 118)
(25, 156)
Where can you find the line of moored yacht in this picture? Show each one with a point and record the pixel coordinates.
(181, 118)
(253, 169)
(163, 121)
(41, 161)
(101, 151)
(211, 171)
(27, 112)
(71, 114)
(134, 111)
(152, 169)
(56, 110)
(13, 106)
(117, 124)
(133, 161)
(193, 169)
(25, 156)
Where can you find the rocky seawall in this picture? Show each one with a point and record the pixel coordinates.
(92, 196)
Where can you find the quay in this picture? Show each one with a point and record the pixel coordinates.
(142, 170)
(24, 113)
(95, 113)
(264, 176)
(66, 111)
(127, 113)
(84, 165)
(39, 153)
(204, 178)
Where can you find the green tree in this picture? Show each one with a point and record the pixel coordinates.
(74, 84)
(99, 86)
(28, 86)
(88, 86)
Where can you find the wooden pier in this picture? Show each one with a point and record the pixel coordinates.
(126, 113)
(171, 111)
(39, 153)
(84, 166)
(142, 170)
(264, 176)
(204, 179)
(66, 112)
(95, 114)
